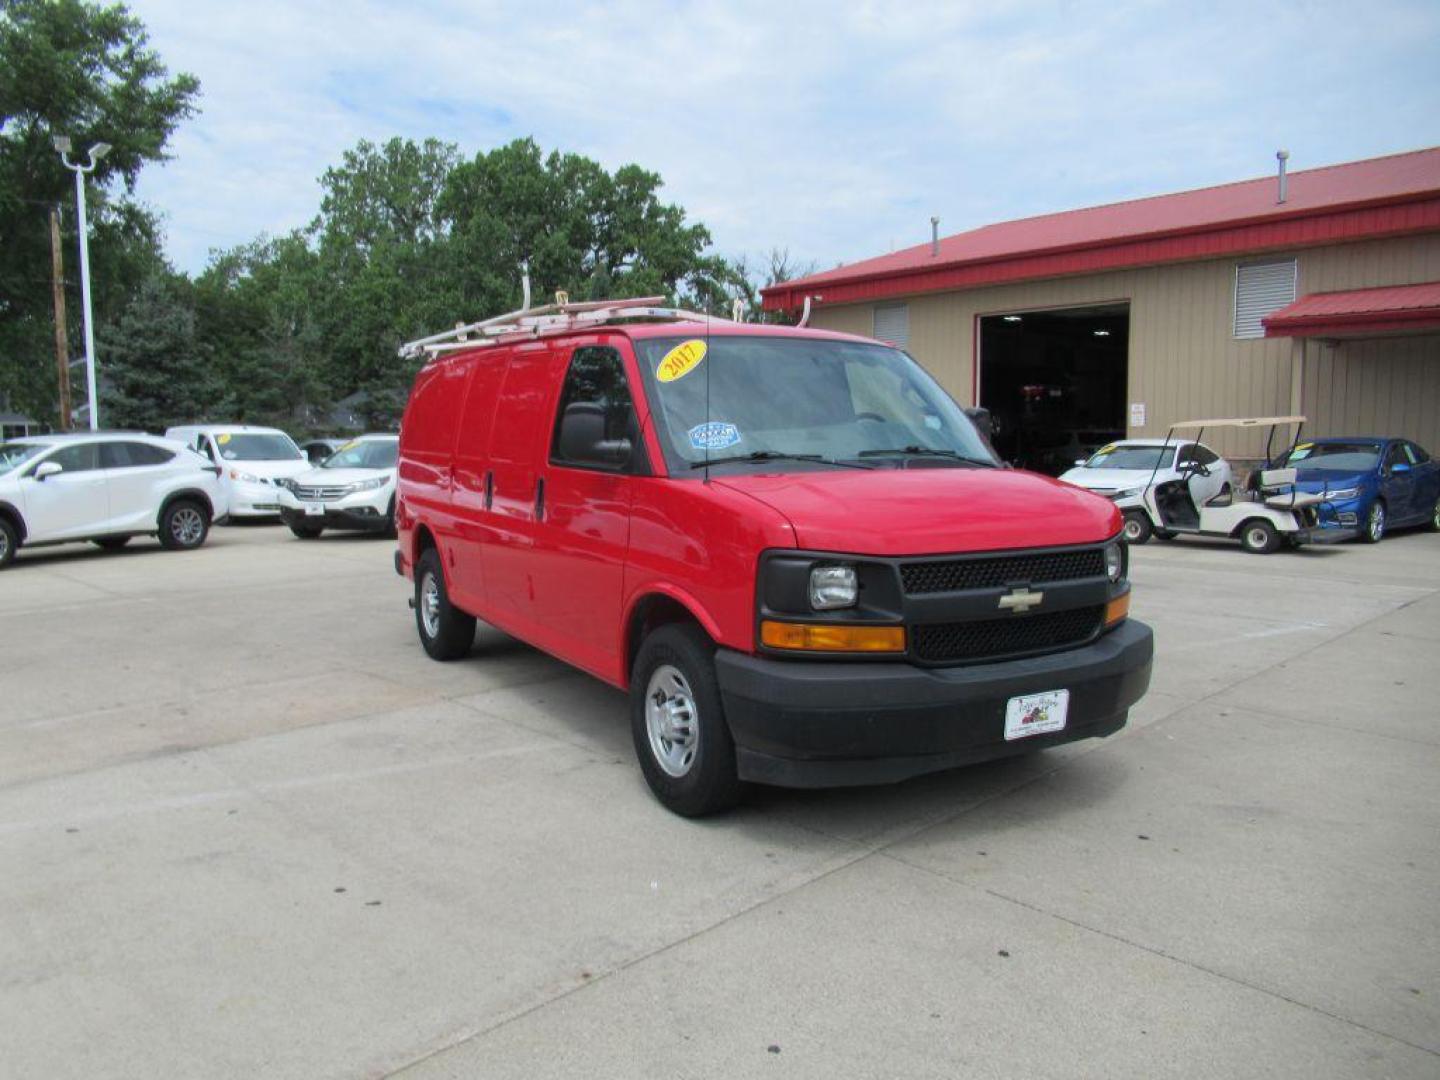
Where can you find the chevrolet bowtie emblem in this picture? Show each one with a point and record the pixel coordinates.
(1020, 600)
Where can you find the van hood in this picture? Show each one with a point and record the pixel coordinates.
(930, 511)
(1112, 479)
(268, 469)
(1327, 479)
(340, 477)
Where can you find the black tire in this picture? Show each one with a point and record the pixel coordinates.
(446, 632)
(111, 543)
(304, 531)
(1434, 523)
(184, 525)
(9, 543)
(707, 780)
(1137, 526)
(1372, 530)
(1259, 537)
(390, 519)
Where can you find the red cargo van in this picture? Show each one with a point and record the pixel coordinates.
(790, 546)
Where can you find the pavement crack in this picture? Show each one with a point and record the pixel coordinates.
(1154, 951)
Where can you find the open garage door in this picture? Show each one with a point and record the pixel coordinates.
(1054, 382)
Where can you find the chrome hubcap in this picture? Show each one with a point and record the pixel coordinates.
(1132, 529)
(1377, 521)
(672, 720)
(1258, 538)
(430, 605)
(187, 526)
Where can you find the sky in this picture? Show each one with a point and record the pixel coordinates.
(831, 130)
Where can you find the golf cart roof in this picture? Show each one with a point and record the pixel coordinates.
(1254, 421)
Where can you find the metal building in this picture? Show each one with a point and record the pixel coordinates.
(1314, 292)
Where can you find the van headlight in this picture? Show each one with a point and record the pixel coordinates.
(1343, 496)
(371, 484)
(1114, 561)
(833, 587)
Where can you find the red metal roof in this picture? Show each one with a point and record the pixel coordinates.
(1360, 200)
(1393, 309)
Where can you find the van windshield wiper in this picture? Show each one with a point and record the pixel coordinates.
(926, 451)
(772, 455)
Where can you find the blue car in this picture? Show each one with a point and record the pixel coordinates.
(1374, 484)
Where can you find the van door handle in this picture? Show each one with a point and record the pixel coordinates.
(489, 488)
(540, 499)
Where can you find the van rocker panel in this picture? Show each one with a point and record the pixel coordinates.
(829, 724)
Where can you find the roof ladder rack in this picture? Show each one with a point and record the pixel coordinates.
(560, 317)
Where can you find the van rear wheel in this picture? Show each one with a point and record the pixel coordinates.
(446, 632)
(677, 721)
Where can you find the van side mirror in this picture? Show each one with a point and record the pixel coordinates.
(582, 441)
(47, 468)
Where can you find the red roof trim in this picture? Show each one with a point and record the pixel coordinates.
(1362, 221)
(1387, 310)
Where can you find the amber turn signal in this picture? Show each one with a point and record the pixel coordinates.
(1117, 609)
(832, 638)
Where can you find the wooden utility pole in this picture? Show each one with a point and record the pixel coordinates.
(62, 344)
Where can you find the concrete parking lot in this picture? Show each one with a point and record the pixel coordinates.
(248, 829)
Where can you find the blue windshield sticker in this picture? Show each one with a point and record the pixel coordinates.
(716, 435)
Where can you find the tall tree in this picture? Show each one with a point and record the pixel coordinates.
(68, 67)
(157, 371)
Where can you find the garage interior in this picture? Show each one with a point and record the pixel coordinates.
(1054, 382)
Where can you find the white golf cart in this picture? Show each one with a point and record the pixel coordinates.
(1261, 517)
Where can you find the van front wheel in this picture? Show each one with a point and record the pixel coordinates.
(678, 723)
(446, 632)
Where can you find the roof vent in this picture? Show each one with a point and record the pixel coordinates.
(1281, 156)
(934, 237)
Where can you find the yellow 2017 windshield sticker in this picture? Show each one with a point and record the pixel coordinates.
(223, 439)
(681, 360)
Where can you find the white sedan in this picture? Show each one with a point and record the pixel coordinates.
(1121, 471)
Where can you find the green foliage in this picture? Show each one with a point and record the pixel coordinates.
(157, 371)
(409, 239)
(86, 71)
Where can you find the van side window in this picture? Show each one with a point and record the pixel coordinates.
(595, 382)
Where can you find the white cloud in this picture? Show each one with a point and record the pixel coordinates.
(833, 130)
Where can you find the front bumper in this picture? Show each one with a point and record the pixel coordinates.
(830, 724)
(363, 518)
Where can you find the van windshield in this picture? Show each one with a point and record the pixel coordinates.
(252, 446)
(758, 399)
(1132, 457)
(1339, 457)
(369, 454)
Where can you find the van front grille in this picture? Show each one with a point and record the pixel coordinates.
(990, 639)
(994, 572)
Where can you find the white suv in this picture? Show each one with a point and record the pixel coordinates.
(354, 489)
(105, 488)
(252, 462)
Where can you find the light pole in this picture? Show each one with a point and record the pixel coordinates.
(98, 151)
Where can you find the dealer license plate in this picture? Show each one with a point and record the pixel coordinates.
(314, 508)
(1036, 714)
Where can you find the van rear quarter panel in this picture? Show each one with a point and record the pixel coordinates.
(699, 544)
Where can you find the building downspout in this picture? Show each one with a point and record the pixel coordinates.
(1297, 376)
